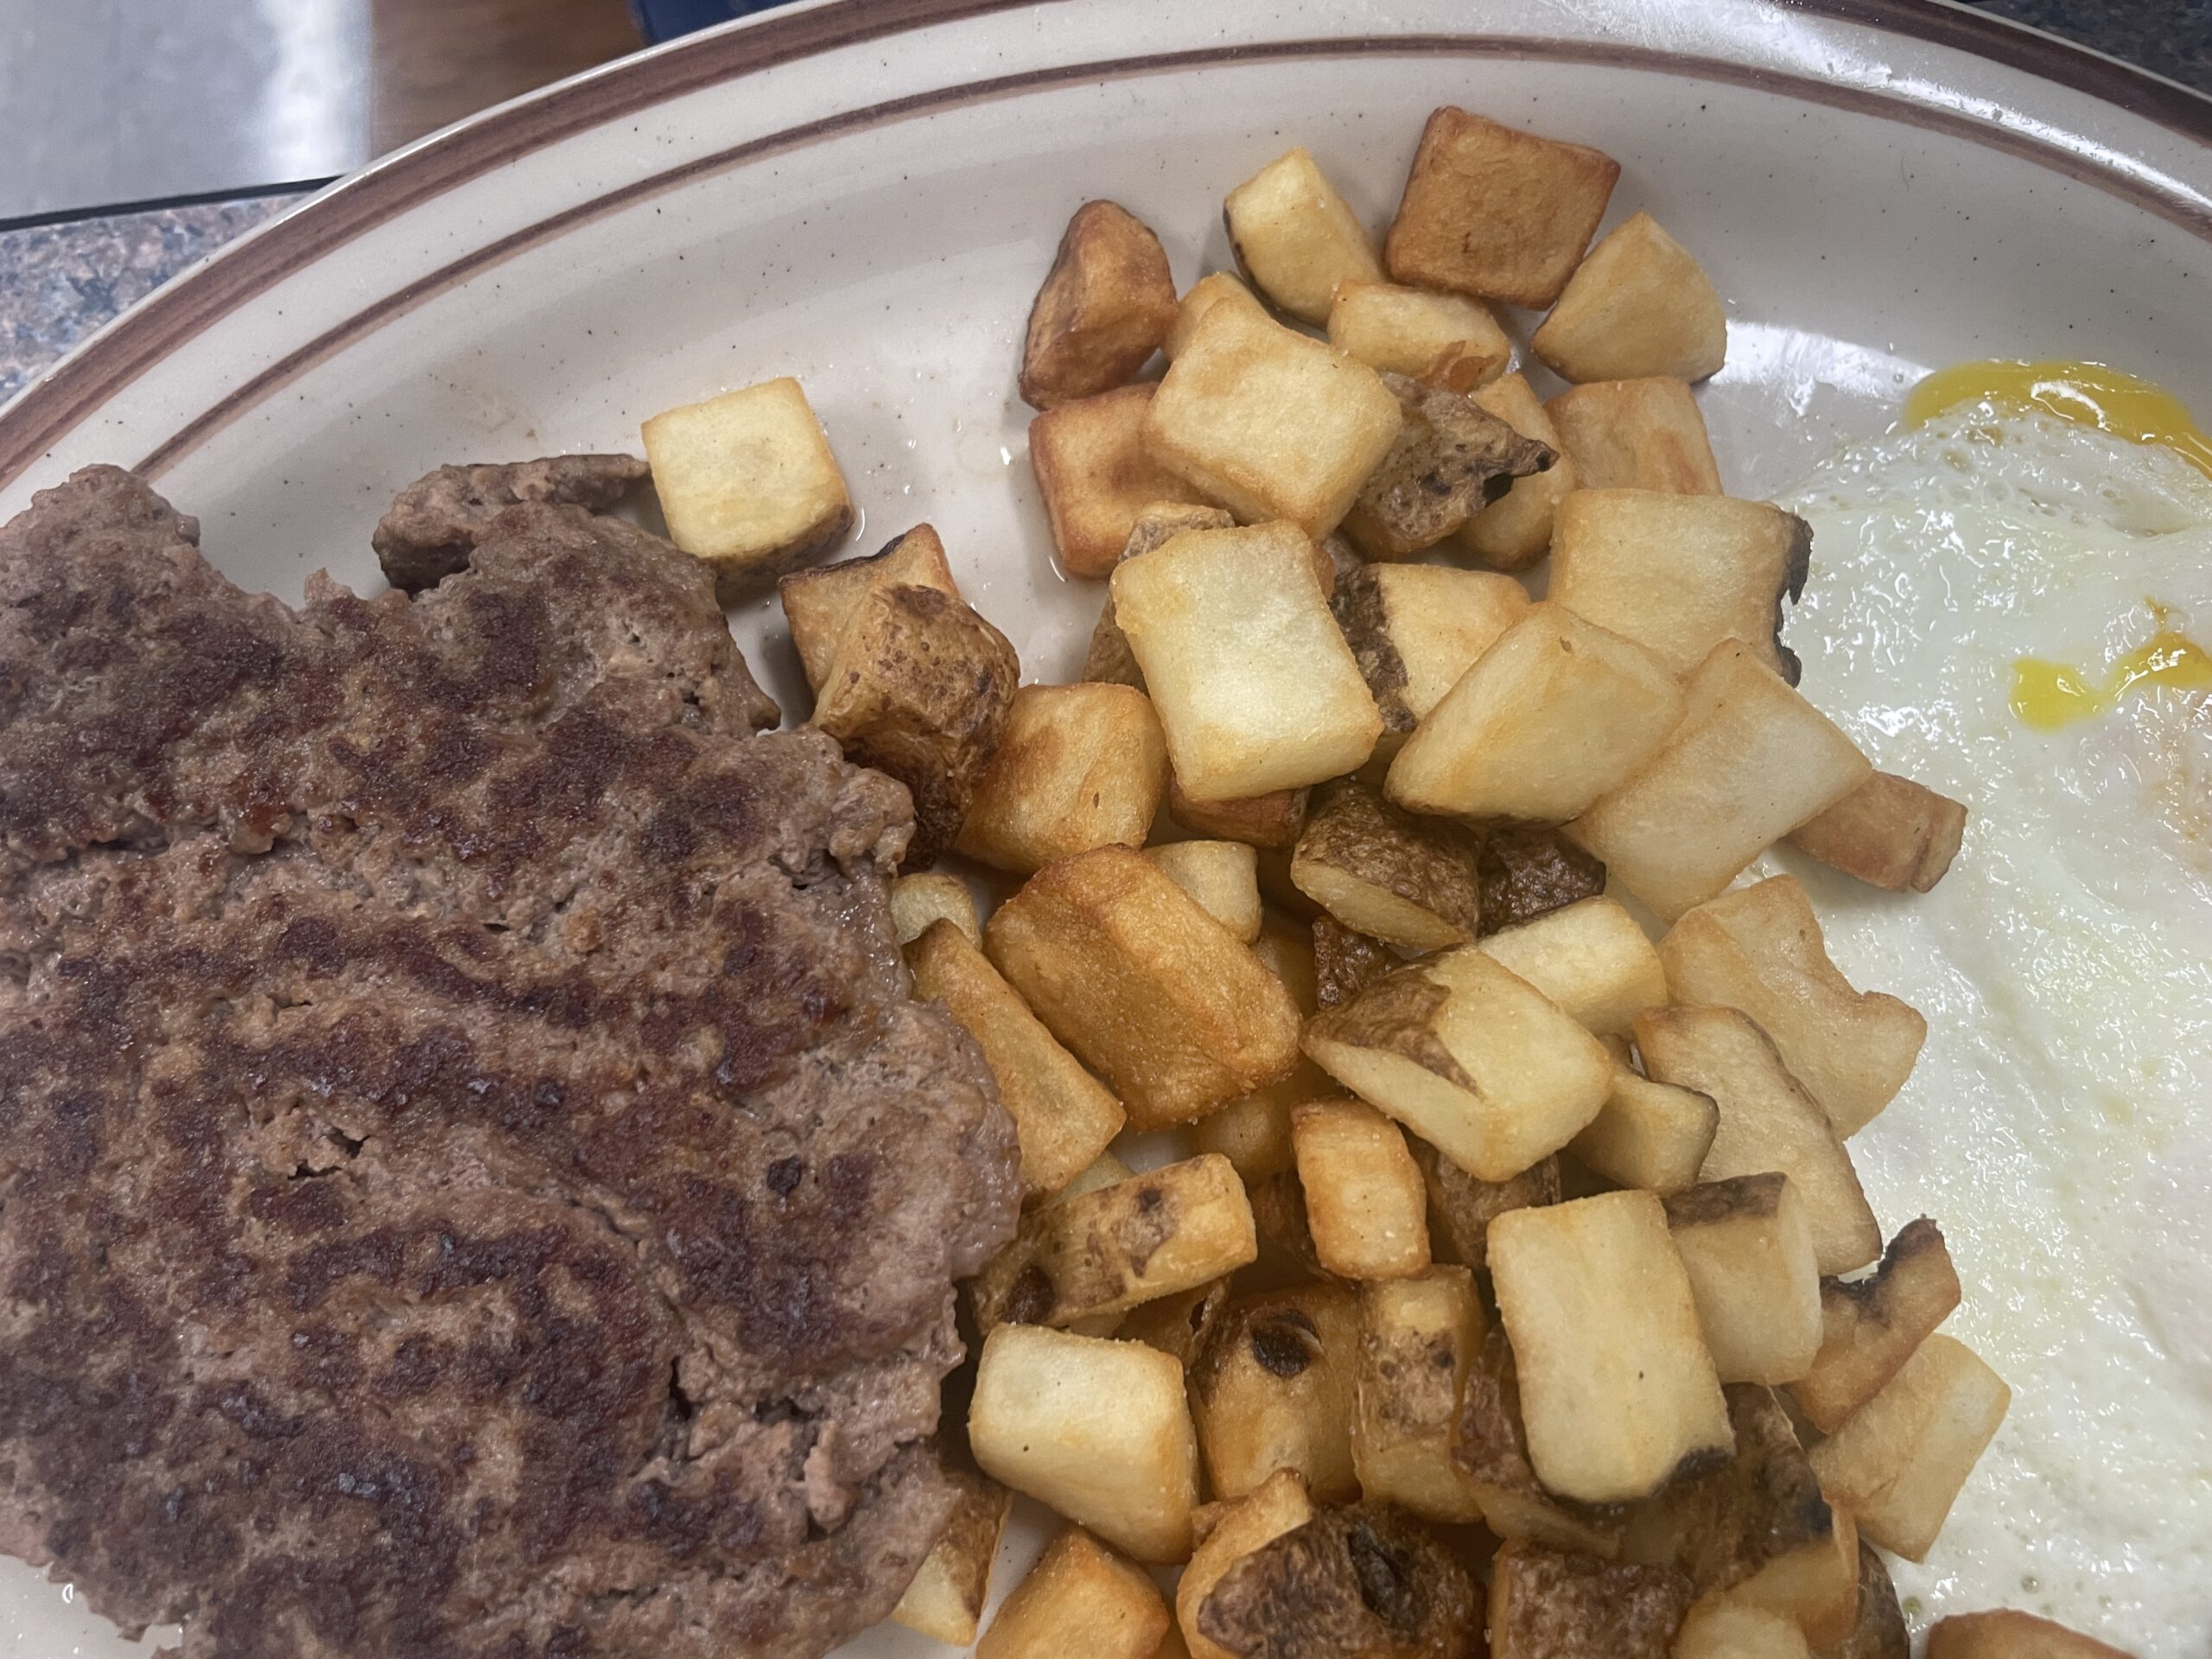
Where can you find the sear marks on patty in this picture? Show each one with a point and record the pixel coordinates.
(439, 519)
(472, 1182)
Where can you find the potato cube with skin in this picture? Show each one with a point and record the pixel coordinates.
(1178, 1325)
(1637, 305)
(1545, 1604)
(1346, 961)
(1078, 766)
(1461, 1207)
(1679, 574)
(1490, 1448)
(1218, 287)
(1900, 1461)
(1419, 1338)
(1365, 1581)
(1530, 870)
(1296, 238)
(1880, 1631)
(1451, 459)
(1890, 832)
(1224, 876)
(1254, 1131)
(1110, 661)
(1274, 1389)
(1365, 1204)
(1275, 819)
(1749, 1252)
(1248, 670)
(1750, 761)
(1097, 477)
(1268, 423)
(1725, 1628)
(1080, 1597)
(1448, 340)
(1492, 210)
(1228, 1532)
(1591, 959)
(1637, 434)
(747, 483)
(2005, 1634)
(1549, 720)
(1386, 873)
(819, 603)
(1096, 1429)
(933, 896)
(1415, 629)
(1871, 1326)
(1105, 306)
(1515, 531)
(1647, 1135)
(945, 1601)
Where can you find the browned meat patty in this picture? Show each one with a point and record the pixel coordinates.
(428, 533)
(473, 1181)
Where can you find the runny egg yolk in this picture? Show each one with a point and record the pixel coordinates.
(2090, 393)
(2051, 695)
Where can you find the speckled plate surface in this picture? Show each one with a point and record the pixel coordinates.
(865, 194)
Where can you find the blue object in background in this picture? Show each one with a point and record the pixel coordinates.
(663, 20)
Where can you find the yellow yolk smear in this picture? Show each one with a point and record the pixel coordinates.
(2051, 696)
(2089, 393)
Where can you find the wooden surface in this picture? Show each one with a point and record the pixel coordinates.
(433, 61)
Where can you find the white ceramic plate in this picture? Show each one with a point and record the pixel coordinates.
(865, 194)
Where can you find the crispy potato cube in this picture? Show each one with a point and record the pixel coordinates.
(1759, 949)
(1637, 434)
(1726, 1628)
(1224, 876)
(819, 603)
(1107, 1169)
(1078, 766)
(1653, 1135)
(933, 896)
(1388, 875)
(1227, 1533)
(1679, 574)
(1880, 1631)
(1751, 761)
(1515, 531)
(1296, 238)
(1096, 1429)
(1593, 958)
(1870, 1327)
(1365, 1204)
(1547, 1604)
(1749, 1251)
(1462, 1207)
(1418, 1340)
(1492, 210)
(918, 687)
(1152, 993)
(1063, 1115)
(1897, 1464)
(1110, 661)
(1345, 962)
(1080, 1598)
(1369, 1579)
(1530, 870)
(1551, 717)
(1451, 459)
(1637, 305)
(1492, 1448)
(1890, 832)
(1275, 819)
(1618, 1392)
(1097, 477)
(1415, 629)
(1179, 1325)
(1274, 1389)
(1767, 1122)
(1279, 1207)
(1216, 288)
(945, 1601)
(1268, 423)
(2005, 1634)
(1445, 339)
(1106, 305)
(1254, 1132)
(1248, 670)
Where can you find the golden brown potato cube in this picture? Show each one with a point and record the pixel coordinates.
(1492, 1448)
(1080, 1598)
(1653, 1135)
(1405, 881)
(1418, 1340)
(1248, 672)
(1898, 1463)
(1107, 1169)
(1555, 714)
(1063, 1115)
(1106, 305)
(1096, 1429)
(1275, 819)
(1254, 1131)
(1530, 870)
(1880, 1631)
(1296, 238)
(1224, 876)
(1767, 1122)
(1097, 477)
(1461, 1207)
(1637, 434)
(819, 603)
(1345, 962)
(1515, 531)
(747, 483)
(1759, 949)
(1751, 761)
(1679, 574)
(1451, 459)
(1591, 959)
(1545, 1604)
(1078, 766)
(1890, 832)
(1365, 1204)
(1152, 993)
(919, 688)
(1216, 289)
(1639, 305)
(1870, 1327)
(1749, 1251)
(1448, 340)
(1274, 1388)
(1368, 1580)
(1268, 423)
(1492, 210)
(1228, 1532)
(1724, 1629)
(945, 1601)
(933, 896)
(2005, 1634)
(1179, 1325)
(1416, 628)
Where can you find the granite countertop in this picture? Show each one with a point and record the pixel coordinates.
(61, 280)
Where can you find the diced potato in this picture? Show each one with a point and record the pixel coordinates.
(1248, 670)
(1637, 434)
(1751, 761)
(1180, 1325)
(819, 603)
(1679, 574)
(1096, 1429)
(1639, 305)
(1462, 1207)
(1889, 831)
(1080, 1598)
(1106, 305)
(1110, 661)
(1228, 1533)
(1152, 993)
(1274, 1389)
(1749, 1251)
(747, 483)
(1471, 1058)
(1296, 238)
(1492, 210)
(1879, 1632)
(945, 1601)
(1345, 962)
(1759, 949)
(1366, 1581)
(1593, 958)
(1492, 1448)
(1767, 1122)
(1618, 1392)
(1653, 1135)
(1170, 1229)
(1530, 870)
(1419, 1338)
(1063, 1115)
(1386, 873)
(918, 687)
(1268, 423)
(1549, 720)
(1416, 628)
(1445, 339)
(1870, 1327)
(2005, 1634)
(1221, 875)
(1274, 819)
(1545, 1604)
(933, 896)
(1107, 1169)
(1365, 1204)
(1096, 475)
(1204, 293)
(1078, 766)
(1451, 458)
(1515, 531)
(1897, 1464)
(1279, 1207)
(1254, 1132)
(1726, 1628)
